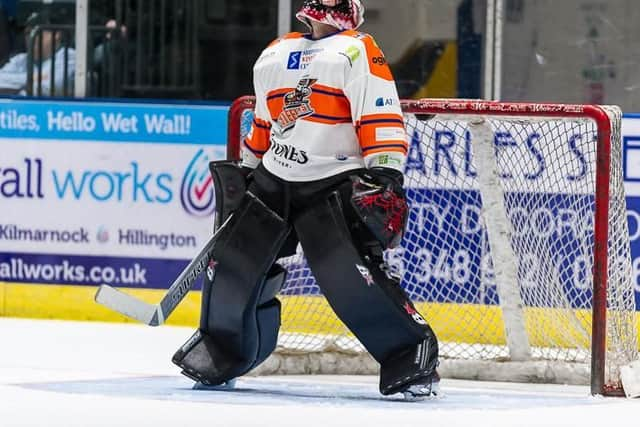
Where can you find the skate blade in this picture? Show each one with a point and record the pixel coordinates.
(419, 394)
(227, 386)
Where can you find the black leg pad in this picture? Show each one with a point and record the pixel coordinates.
(244, 255)
(370, 304)
(203, 359)
(240, 316)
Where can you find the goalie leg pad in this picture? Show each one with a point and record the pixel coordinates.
(237, 287)
(204, 360)
(372, 305)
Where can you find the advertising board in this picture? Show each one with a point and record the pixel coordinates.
(112, 193)
(120, 193)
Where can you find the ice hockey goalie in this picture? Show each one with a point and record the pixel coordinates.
(322, 166)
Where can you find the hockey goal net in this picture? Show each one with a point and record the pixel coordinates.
(516, 250)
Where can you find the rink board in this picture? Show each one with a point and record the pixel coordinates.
(300, 314)
(161, 176)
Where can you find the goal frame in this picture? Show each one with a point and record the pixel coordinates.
(508, 109)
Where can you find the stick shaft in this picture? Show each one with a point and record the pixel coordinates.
(155, 315)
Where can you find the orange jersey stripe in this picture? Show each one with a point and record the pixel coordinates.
(330, 105)
(329, 89)
(258, 140)
(391, 118)
(275, 102)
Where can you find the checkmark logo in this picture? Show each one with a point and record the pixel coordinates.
(196, 192)
(200, 191)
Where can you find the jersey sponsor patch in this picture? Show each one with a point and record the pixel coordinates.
(385, 102)
(301, 59)
(289, 152)
(390, 134)
(384, 160)
(352, 53)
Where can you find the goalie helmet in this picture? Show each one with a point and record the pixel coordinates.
(341, 14)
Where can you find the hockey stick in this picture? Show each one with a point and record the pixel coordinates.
(157, 314)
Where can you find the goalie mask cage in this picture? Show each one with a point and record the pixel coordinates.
(516, 250)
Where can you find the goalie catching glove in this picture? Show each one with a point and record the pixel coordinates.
(379, 200)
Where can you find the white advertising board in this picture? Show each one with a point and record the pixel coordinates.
(85, 186)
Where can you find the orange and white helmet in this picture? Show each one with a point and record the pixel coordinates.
(341, 14)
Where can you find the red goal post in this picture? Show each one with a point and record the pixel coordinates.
(557, 161)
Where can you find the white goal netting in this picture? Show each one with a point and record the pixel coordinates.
(506, 230)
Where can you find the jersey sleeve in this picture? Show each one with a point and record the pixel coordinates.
(257, 141)
(375, 106)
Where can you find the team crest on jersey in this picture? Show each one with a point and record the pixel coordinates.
(297, 104)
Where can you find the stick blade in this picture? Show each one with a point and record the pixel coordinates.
(128, 305)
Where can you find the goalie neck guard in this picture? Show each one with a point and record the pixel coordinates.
(341, 14)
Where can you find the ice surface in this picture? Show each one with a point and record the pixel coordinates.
(95, 374)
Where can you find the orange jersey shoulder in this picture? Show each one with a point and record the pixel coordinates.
(377, 61)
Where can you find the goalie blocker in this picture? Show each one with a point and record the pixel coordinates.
(240, 315)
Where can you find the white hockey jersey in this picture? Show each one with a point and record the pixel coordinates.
(324, 107)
